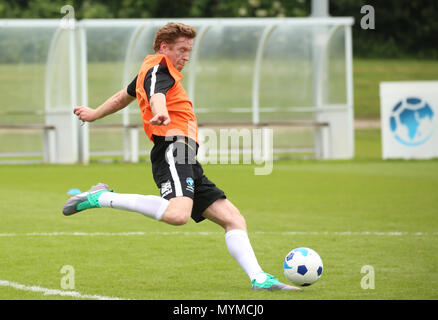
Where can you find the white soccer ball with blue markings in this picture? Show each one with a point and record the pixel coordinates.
(302, 266)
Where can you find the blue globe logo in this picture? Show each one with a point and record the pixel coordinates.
(411, 121)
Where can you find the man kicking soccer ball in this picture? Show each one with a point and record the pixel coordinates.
(171, 125)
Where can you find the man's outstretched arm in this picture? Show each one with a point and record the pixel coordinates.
(115, 103)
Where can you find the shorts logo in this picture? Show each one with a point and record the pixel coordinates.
(190, 184)
(166, 188)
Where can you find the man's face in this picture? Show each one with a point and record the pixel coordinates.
(178, 52)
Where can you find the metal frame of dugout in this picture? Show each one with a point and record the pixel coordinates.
(68, 141)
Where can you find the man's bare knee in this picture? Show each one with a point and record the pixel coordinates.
(224, 213)
(178, 212)
(178, 218)
(236, 221)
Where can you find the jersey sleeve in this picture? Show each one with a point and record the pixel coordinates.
(158, 80)
(131, 89)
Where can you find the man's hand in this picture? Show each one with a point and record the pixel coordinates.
(85, 113)
(159, 110)
(113, 104)
(160, 120)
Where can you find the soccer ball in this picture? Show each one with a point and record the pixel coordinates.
(302, 266)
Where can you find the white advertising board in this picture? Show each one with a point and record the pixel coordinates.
(409, 119)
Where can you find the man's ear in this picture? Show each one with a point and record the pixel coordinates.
(163, 46)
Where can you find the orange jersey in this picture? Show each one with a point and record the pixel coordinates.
(182, 118)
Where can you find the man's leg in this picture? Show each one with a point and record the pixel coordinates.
(178, 212)
(225, 214)
(175, 211)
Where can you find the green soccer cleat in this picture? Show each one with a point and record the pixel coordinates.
(265, 281)
(85, 200)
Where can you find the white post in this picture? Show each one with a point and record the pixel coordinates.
(319, 73)
(127, 143)
(73, 86)
(193, 62)
(133, 132)
(324, 149)
(320, 8)
(49, 146)
(256, 75)
(84, 144)
(350, 99)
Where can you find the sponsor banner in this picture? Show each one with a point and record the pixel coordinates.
(409, 119)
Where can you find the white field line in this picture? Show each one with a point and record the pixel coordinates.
(54, 292)
(207, 233)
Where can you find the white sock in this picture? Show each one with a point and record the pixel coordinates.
(240, 248)
(150, 206)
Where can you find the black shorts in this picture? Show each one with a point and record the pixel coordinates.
(177, 173)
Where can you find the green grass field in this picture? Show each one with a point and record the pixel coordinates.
(369, 73)
(353, 213)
